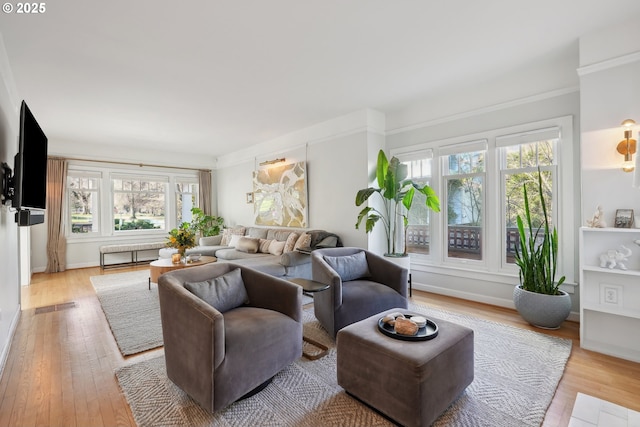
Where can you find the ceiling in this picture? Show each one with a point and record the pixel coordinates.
(220, 76)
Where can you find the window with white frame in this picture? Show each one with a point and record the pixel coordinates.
(464, 175)
(521, 156)
(419, 227)
(83, 202)
(138, 203)
(186, 198)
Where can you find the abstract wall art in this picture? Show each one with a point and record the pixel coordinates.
(280, 195)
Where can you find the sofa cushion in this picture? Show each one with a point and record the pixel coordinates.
(290, 243)
(231, 254)
(350, 267)
(223, 293)
(278, 234)
(210, 240)
(248, 245)
(259, 233)
(276, 247)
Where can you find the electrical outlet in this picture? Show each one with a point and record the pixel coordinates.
(611, 296)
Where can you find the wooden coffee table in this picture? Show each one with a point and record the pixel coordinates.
(164, 265)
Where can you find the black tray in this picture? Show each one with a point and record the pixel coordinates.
(427, 332)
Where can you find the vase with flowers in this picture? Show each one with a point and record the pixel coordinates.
(182, 238)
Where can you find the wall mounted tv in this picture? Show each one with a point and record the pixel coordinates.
(30, 166)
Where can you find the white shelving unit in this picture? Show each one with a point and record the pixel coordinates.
(610, 298)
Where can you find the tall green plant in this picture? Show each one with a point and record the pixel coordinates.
(537, 261)
(396, 192)
(206, 225)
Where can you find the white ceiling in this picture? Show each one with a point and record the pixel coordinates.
(223, 75)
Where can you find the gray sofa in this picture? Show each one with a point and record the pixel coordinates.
(294, 261)
(227, 330)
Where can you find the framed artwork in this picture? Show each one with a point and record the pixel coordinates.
(624, 218)
(280, 196)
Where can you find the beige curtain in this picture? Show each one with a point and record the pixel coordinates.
(56, 240)
(204, 194)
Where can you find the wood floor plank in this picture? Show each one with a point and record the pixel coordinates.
(60, 368)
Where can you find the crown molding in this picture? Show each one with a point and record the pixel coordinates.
(608, 64)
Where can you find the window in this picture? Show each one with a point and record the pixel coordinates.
(83, 193)
(186, 198)
(138, 203)
(519, 165)
(419, 228)
(464, 178)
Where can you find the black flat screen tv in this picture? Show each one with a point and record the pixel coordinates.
(30, 167)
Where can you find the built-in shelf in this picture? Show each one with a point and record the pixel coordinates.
(609, 297)
(611, 270)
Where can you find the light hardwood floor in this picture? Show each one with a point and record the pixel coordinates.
(59, 371)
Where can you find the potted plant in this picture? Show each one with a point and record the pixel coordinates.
(182, 238)
(538, 298)
(396, 192)
(206, 225)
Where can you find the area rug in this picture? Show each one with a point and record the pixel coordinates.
(132, 310)
(516, 374)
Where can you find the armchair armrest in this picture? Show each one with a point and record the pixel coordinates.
(193, 333)
(388, 273)
(272, 293)
(294, 258)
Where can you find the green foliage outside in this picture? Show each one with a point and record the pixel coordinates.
(137, 224)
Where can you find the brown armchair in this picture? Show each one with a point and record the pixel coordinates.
(361, 284)
(218, 358)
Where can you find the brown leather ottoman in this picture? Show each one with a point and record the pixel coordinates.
(411, 382)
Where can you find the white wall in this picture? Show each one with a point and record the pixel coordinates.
(337, 167)
(9, 272)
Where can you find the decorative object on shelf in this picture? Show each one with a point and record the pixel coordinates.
(624, 218)
(627, 147)
(206, 225)
(615, 258)
(396, 192)
(538, 298)
(250, 198)
(280, 195)
(182, 238)
(597, 221)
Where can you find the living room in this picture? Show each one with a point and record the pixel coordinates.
(585, 88)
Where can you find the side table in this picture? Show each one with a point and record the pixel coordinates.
(312, 286)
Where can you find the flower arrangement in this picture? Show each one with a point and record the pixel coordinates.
(182, 238)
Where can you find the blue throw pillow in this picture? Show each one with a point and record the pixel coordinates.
(350, 267)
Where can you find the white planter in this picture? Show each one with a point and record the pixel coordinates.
(541, 310)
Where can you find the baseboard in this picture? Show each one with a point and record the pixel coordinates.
(500, 302)
(12, 330)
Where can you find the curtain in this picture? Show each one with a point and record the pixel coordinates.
(56, 239)
(204, 194)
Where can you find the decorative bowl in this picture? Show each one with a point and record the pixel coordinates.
(193, 257)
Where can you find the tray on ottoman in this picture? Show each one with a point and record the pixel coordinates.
(411, 382)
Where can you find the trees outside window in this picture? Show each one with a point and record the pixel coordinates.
(83, 195)
(138, 203)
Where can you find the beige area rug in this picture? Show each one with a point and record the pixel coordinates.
(133, 310)
(516, 374)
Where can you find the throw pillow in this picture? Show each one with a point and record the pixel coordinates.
(304, 241)
(228, 232)
(290, 243)
(276, 247)
(264, 246)
(350, 267)
(223, 293)
(248, 245)
(235, 239)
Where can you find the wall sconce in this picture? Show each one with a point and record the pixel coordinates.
(282, 160)
(627, 147)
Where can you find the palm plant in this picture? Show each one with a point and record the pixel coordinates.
(537, 253)
(206, 225)
(396, 192)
